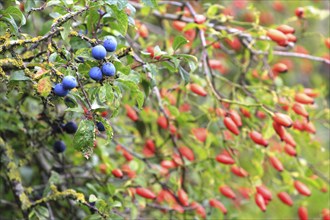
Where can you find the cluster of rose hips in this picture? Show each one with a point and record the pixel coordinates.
(99, 52)
(282, 35)
(63, 88)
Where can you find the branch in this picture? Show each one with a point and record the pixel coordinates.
(36, 9)
(300, 55)
(37, 40)
(70, 194)
(14, 178)
(84, 37)
(61, 20)
(289, 54)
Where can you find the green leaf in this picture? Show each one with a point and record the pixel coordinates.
(84, 138)
(191, 60)
(16, 14)
(52, 57)
(150, 3)
(178, 42)
(136, 93)
(71, 102)
(313, 12)
(213, 10)
(121, 4)
(109, 93)
(188, 57)
(173, 110)
(102, 94)
(96, 105)
(169, 66)
(92, 188)
(53, 2)
(190, 26)
(184, 75)
(66, 31)
(18, 76)
(93, 17)
(29, 5)
(92, 198)
(139, 96)
(77, 109)
(268, 132)
(11, 21)
(121, 68)
(270, 54)
(121, 18)
(67, 2)
(84, 53)
(176, 62)
(153, 70)
(41, 212)
(116, 204)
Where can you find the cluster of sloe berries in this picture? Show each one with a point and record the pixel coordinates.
(70, 128)
(63, 88)
(99, 52)
(69, 82)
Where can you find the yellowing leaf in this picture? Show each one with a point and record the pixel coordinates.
(40, 73)
(44, 86)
